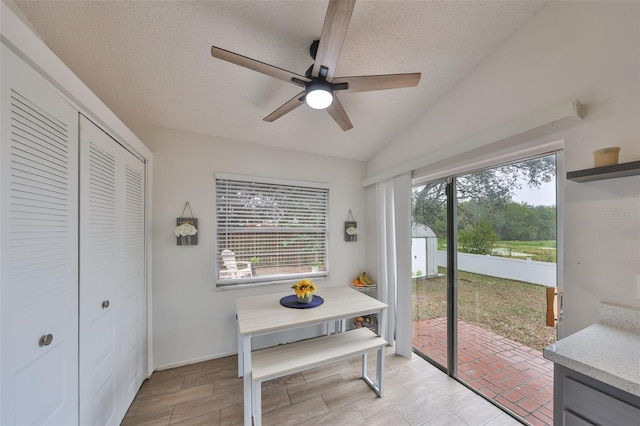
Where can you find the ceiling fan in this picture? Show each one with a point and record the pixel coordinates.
(319, 82)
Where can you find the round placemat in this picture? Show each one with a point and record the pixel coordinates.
(292, 302)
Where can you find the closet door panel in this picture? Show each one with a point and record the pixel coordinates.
(133, 326)
(39, 250)
(112, 277)
(99, 276)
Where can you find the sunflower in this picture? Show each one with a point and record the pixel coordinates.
(304, 288)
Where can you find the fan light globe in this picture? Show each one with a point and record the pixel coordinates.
(319, 98)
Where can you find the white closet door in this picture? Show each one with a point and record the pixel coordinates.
(132, 325)
(99, 276)
(39, 250)
(112, 277)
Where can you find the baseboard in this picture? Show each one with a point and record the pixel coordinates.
(194, 361)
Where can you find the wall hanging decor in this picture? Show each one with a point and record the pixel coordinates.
(350, 228)
(187, 228)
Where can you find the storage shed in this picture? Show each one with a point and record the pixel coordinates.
(424, 251)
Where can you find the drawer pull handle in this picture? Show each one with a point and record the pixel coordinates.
(105, 304)
(45, 340)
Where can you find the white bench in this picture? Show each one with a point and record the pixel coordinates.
(279, 361)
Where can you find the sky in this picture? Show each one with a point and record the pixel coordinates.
(543, 196)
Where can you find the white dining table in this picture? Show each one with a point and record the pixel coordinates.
(263, 314)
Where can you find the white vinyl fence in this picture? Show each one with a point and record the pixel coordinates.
(529, 271)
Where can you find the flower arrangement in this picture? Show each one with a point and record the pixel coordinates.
(185, 229)
(304, 289)
(352, 231)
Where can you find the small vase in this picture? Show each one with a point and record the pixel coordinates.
(307, 299)
(185, 240)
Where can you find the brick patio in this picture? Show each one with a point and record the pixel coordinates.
(514, 375)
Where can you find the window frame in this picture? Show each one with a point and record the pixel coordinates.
(268, 279)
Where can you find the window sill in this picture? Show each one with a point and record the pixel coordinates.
(244, 283)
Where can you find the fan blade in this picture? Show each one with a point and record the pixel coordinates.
(334, 31)
(258, 66)
(366, 83)
(337, 112)
(288, 106)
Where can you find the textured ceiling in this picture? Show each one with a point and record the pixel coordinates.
(150, 62)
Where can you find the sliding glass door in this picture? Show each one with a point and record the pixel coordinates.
(481, 317)
(429, 271)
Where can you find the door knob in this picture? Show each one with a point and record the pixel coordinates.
(105, 304)
(45, 340)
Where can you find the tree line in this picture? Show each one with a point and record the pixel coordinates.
(510, 221)
(486, 212)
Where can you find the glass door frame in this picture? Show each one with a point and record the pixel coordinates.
(452, 248)
(452, 277)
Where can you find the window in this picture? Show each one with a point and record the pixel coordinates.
(270, 230)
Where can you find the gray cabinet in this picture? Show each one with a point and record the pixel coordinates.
(581, 400)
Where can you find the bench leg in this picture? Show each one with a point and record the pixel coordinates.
(364, 365)
(380, 371)
(377, 386)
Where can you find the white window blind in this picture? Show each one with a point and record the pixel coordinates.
(270, 231)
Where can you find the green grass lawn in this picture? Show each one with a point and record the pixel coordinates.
(512, 309)
(541, 251)
(518, 245)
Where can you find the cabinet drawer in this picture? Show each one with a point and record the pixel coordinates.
(597, 407)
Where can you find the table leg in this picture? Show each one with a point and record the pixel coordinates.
(382, 324)
(246, 361)
(240, 349)
(257, 403)
(382, 331)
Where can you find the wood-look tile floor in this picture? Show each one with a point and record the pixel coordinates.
(415, 393)
(514, 375)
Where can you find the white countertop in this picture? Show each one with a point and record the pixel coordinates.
(608, 351)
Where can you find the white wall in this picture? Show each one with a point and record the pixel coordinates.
(192, 320)
(587, 51)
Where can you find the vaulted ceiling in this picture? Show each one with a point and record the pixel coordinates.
(150, 62)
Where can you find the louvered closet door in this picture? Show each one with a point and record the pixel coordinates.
(132, 325)
(39, 253)
(99, 276)
(112, 277)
